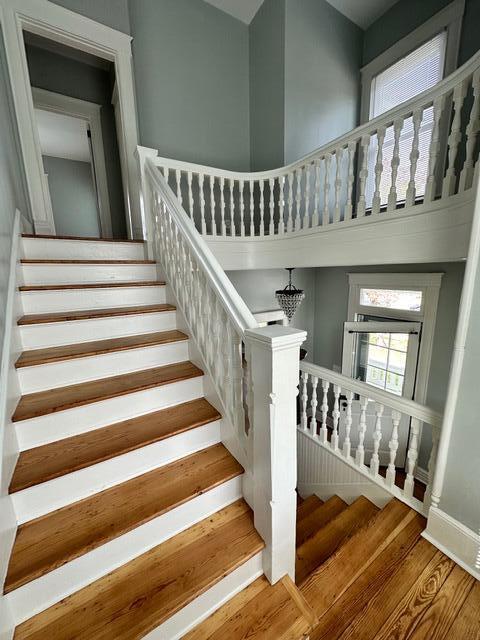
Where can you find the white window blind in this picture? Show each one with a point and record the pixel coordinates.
(418, 71)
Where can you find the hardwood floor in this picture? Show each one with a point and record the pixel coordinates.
(66, 316)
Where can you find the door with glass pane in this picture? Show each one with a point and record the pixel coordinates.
(383, 354)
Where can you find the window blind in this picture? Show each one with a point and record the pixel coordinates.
(418, 71)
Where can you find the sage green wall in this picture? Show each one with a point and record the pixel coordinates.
(113, 13)
(69, 77)
(258, 288)
(323, 54)
(192, 80)
(267, 86)
(73, 197)
(407, 15)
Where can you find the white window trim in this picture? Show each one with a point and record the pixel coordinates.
(449, 18)
(429, 284)
(89, 112)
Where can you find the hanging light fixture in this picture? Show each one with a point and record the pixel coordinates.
(290, 298)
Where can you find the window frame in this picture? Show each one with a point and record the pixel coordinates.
(449, 18)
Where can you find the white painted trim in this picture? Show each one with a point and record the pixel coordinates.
(49, 589)
(206, 604)
(449, 18)
(74, 30)
(454, 539)
(89, 112)
(274, 315)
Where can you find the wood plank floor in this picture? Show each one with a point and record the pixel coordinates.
(50, 541)
(140, 595)
(75, 395)
(58, 458)
(89, 314)
(46, 355)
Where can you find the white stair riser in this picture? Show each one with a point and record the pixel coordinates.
(43, 592)
(41, 499)
(66, 372)
(207, 603)
(62, 424)
(76, 299)
(86, 273)
(52, 334)
(42, 248)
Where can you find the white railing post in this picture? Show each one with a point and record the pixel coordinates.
(142, 153)
(274, 355)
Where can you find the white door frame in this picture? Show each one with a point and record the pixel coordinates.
(89, 112)
(74, 30)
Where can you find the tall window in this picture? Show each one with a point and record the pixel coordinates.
(418, 71)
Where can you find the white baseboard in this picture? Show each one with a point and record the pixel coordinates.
(454, 539)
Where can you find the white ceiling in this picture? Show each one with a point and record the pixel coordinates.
(362, 12)
(62, 136)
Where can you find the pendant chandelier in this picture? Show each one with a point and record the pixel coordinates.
(290, 298)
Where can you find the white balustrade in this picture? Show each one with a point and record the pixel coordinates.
(341, 183)
(377, 419)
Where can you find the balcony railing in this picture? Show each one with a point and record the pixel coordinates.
(422, 151)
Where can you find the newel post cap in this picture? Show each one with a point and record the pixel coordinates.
(275, 337)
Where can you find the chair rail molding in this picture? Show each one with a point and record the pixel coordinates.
(74, 30)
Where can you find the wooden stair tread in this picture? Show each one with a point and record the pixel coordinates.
(84, 238)
(370, 582)
(306, 506)
(46, 355)
(81, 261)
(90, 314)
(316, 549)
(54, 539)
(318, 518)
(90, 285)
(59, 458)
(59, 399)
(137, 597)
(329, 582)
(260, 612)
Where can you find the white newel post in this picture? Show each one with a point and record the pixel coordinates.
(274, 353)
(142, 153)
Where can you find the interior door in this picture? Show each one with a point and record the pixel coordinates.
(384, 355)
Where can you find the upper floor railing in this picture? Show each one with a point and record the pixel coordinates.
(422, 151)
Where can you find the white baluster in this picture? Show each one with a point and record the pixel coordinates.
(347, 444)
(338, 184)
(434, 154)
(241, 186)
(222, 207)
(454, 139)
(233, 231)
(281, 205)
(179, 186)
(324, 408)
(326, 190)
(271, 227)
(350, 180)
(336, 415)
(252, 210)
(393, 446)
(362, 428)
(412, 456)
(316, 213)
(414, 156)
(297, 220)
(190, 194)
(376, 201)
(392, 196)
(290, 203)
(306, 216)
(362, 203)
(202, 204)
(313, 406)
(377, 437)
(432, 464)
(212, 205)
(473, 127)
(261, 186)
(304, 399)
